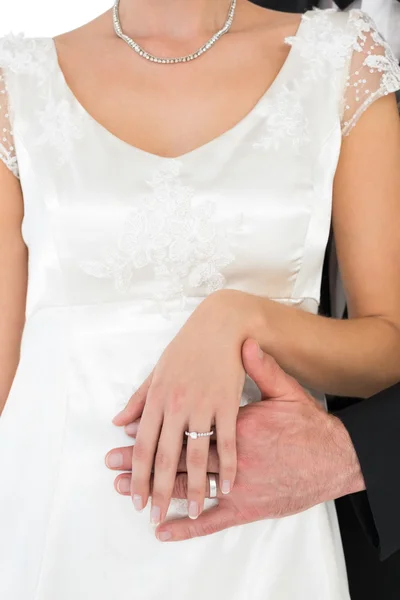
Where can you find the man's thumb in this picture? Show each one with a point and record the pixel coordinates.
(267, 374)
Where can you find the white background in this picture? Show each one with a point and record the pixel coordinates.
(48, 17)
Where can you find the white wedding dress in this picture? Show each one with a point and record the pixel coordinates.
(123, 245)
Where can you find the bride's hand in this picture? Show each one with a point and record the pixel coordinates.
(195, 386)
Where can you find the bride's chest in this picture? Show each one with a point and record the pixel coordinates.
(165, 229)
(123, 223)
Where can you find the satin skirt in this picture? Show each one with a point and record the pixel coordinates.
(65, 532)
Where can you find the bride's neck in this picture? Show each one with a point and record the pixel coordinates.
(175, 18)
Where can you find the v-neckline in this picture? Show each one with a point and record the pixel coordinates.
(198, 149)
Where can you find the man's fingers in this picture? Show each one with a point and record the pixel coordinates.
(212, 464)
(181, 486)
(120, 459)
(273, 382)
(210, 521)
(122, 484)
(133, 410)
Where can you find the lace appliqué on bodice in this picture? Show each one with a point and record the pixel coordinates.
(60, 126)
(285, 120)
(173, 234)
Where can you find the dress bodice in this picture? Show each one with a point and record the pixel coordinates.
(250, 210)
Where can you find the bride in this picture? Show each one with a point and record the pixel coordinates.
(154, 215)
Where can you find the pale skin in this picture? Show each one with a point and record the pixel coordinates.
(357, 357)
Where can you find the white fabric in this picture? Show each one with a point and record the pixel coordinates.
(386, 14)
(123, 245)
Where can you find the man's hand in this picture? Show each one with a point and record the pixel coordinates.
(292, 455)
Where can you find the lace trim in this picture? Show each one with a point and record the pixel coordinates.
(18, 54)
(285, 119)
(374, 70)
(60, 126)
(321, 41)
(21, 54)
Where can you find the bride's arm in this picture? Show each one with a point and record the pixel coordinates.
(360, 356)
(13, 279)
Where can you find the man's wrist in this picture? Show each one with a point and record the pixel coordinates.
(348, 477)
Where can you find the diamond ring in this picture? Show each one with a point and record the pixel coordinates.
(195, 434)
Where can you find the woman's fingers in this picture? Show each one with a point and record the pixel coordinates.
(165, 467)
(143, 454)
(133, 410)
(120, 459)
(132, 430)
(196, 463)
(226, 447)
(122, 484)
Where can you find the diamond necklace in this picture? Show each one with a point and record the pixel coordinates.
(152, 58)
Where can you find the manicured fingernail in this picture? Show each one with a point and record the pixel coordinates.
(164, 536)
(138, 502)
(193, 509)
(118, 415)
(226, 486)
(114, 460)
(155, 515)
(124, 485)
(132, 428)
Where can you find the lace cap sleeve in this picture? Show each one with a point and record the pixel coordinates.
(373, 70)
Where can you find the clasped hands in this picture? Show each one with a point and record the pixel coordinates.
(274, 458)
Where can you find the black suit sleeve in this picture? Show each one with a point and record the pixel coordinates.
(374, 427)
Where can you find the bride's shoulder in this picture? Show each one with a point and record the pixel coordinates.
(20, 53)
(333, 36)
(348, 28)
